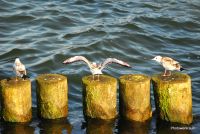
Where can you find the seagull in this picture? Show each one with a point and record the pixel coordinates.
(96, 69)
(19, 69)
(169, 64)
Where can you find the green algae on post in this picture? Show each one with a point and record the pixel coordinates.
(134, 93)
(16, 100)
(52, 96)
(100, 97)
(173, 97)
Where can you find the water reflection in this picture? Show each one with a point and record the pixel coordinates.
(163, 127)
(96, 126)
(132, 127)
(17, 128)
(57, 126)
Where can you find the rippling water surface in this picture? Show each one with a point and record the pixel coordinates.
(44, 33)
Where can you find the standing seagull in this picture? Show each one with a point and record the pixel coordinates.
(169, 64)
(19, 69)
(96, 69)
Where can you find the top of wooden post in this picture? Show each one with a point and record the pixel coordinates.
(50, 78)
(13, 82)
(134, 78)
(174, 78)
(102, 79)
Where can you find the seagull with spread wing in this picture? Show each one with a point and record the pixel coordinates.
(19, 69)
(169, 64)
(96, 69)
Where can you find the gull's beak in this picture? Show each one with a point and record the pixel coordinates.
(153, 59)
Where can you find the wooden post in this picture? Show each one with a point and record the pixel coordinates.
(52, 96)
(16, 100)
(134, 92)
(173, 97)
(100, 97)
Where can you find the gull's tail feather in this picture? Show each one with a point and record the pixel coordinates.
(25, 76)
(181, 69)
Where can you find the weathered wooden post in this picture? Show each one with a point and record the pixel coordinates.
(173, 97)
(52, 96)
(16, 100)
(134, 93)
(100, 97)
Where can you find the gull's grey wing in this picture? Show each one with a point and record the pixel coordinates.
(113, 60)
(77, 58)
(169, 60)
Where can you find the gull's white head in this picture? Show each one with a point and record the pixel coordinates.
(94, 64)
(157, 58)
(17, 61)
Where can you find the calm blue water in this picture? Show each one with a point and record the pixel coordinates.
(44, 33)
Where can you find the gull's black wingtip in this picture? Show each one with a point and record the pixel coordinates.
(129, 66)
